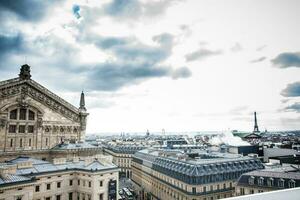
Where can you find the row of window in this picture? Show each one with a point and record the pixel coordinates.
(58, 184)
(22, 114)
(270, 182)
(21, 128)
(22, 142)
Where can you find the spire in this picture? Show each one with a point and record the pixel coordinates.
(82, 102)
(256, 130)
(25, 72)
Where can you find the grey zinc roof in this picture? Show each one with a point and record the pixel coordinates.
(12, 178)
(40, 166)
(73, 146)
(124, 148)
(217, 167)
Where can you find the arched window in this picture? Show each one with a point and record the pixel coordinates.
(22, 115)
(13, 114)
(31, 115)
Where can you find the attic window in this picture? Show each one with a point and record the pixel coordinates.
(261, 181)
(291, 183)
(251, 180)
(281, 183)
(270, 182)
(61, 130)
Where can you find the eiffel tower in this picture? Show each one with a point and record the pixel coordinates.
(256, 130)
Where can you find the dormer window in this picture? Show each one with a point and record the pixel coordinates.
(260, 181)
(270, 182)
(251, 180)
(291, 183)
(281, 183)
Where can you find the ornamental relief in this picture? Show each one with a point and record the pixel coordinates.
(60, 129)
(30, 91)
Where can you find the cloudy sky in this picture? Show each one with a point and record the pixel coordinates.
(181, 65)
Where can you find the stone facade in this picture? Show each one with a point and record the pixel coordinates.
(33, 119)
(88, 178)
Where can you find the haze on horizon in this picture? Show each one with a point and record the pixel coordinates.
(178, 65)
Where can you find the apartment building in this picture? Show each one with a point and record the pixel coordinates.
(90, 178)
(188, 175)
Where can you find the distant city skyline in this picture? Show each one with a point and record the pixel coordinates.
(193, 65)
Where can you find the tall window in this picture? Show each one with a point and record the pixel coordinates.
(29, 142)
(11, 142)
(12, 128)
(30, 129)
(101, 197)
(242, 191)
(31, 115)
(13, 114)
(194, 190)
(261, 181)
(22, 114)
(21, 128)
(21, 142)
(70, 196)
(46, 141)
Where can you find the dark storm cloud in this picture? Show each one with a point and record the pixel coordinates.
(134, 62)
(258, 59)
(294, 107)
(28, 10)
(288, 59)
(292, 90)
(115, 76)
(132, 51)
(10, 44)
(201, 54)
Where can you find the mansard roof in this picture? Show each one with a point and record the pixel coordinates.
(284, 174)
(212, 167)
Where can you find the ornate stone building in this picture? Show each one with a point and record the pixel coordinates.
(33, 119)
